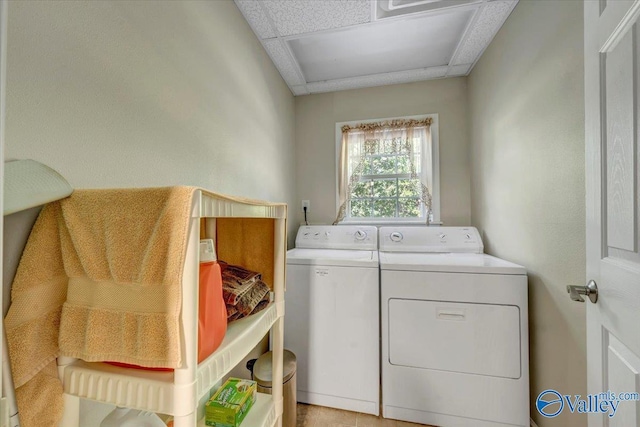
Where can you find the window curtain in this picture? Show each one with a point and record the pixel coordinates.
(400, 136)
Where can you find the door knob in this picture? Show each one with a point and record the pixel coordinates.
(591, 290)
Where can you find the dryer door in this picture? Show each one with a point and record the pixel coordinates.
(481, 339)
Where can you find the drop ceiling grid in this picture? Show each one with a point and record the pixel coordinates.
(381, 79)
(279, 22)
(461, 43)
(264, 27)
(482, 31)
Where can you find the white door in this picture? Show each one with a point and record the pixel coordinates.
(612, 114)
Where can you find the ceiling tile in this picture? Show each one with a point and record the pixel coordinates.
(304, 16)
(256, 17)
(489, 21)
(383, 47)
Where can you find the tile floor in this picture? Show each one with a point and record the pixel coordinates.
(318, 416)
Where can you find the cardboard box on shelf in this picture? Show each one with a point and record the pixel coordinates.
(231, 403)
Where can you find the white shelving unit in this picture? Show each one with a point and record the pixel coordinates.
(178, 393)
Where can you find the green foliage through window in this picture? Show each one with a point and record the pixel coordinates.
(386, 189)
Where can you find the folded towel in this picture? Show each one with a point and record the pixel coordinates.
(236, 281)
(243, 291)
(234, 314)
(100, 278)
(250, 300)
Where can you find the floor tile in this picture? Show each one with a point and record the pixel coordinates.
(319, 416)
(336, 416)
(367, 420)
(305, 415)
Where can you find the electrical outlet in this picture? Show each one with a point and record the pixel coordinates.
(306, 204)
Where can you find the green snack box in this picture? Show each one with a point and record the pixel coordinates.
(230, 404)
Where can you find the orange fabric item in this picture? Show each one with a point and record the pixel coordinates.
(212, 312)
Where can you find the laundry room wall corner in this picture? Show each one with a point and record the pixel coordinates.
(528, 183)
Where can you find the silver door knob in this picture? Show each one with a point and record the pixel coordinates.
(591, 290)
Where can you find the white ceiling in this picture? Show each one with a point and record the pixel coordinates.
(330, 45)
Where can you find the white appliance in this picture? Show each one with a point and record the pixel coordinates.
(331, 320)
(454, 330)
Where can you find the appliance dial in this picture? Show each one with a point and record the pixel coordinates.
(360, 235)
(396, 236)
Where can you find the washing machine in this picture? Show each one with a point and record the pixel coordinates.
(332, 318)
(454, 330)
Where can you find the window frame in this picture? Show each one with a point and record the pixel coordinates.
(435, 171)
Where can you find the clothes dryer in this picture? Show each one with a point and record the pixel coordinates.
(332, 316)
(454, 330)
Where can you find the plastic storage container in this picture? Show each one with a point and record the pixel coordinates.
(125, 417)
(263, 375)
(212, 312)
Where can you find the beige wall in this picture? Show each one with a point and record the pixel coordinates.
(133, 94)
(145, 94)
(527, 159)
(317, 115)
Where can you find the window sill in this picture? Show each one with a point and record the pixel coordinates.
(384, 222)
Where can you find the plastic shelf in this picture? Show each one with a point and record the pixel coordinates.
(215, 205)
(155, 391)
(241, 337)
(179, 393)
(261, 414)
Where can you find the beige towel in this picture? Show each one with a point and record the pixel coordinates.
(116, 257)
(38, 292)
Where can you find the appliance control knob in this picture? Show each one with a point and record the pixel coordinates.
(442, 235)
(317, 234)
(327, 233)
(360, 235)
(396, 236)
(468, 236)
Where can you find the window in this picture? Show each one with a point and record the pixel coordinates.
(388, 170)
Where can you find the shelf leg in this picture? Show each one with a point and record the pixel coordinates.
(186, 374)
(278, 359)
(186, 420)
(277, 331)
(71, 414)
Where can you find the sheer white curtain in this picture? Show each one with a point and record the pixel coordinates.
(352, 157)
(411, 137)
(422, 142)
